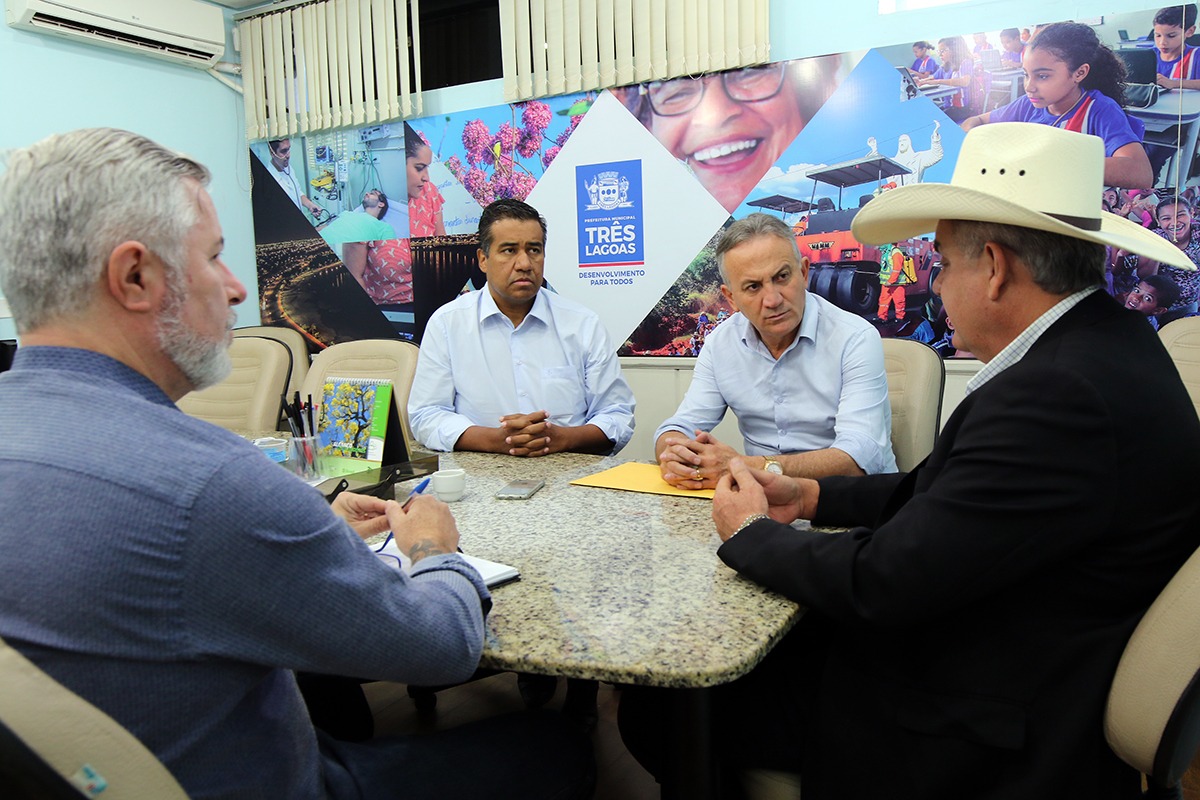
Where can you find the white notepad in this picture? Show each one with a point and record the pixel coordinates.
(493, 572)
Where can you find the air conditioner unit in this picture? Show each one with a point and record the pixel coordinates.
(183, 31)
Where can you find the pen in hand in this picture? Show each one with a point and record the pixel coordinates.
(420, 488)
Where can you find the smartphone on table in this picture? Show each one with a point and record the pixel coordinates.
(520, 490)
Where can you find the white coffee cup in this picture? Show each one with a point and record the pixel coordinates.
(449, 484)
(272, 448)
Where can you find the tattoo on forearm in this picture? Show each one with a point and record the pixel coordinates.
(425, 547)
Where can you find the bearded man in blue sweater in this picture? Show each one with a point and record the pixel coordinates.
(165, 571)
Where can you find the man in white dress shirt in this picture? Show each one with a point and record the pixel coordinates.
(805, 378)
(514, 369)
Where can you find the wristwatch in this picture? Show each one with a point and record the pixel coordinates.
(771, 465)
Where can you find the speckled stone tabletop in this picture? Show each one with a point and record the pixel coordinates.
(617, 586)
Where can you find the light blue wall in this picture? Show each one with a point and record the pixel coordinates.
(49, 85)
(801, 29)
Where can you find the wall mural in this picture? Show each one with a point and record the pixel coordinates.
(365, 232)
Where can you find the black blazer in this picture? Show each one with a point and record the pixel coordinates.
(980, 609)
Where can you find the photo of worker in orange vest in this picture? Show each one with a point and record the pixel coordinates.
(896, 271)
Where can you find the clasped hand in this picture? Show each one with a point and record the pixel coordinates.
(744, 492)
(695, 463)
(527, 435)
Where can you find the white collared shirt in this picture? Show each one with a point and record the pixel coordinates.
(475, 367)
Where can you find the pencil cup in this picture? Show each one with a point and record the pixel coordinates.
(272, 448)
(302, 457)
(449, 484)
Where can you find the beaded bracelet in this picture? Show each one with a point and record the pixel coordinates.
(748, 521)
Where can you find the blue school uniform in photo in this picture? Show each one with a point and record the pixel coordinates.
(924, 64)
(965, 96)
(1095, 113)
(1186, 66)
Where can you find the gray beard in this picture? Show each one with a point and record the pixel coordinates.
(202, 361)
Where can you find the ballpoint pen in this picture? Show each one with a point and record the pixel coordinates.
(420, 487)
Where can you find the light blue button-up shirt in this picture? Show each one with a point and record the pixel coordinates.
(475, 368)
(827, 389)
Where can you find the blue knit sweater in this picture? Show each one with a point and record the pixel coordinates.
(166, 571)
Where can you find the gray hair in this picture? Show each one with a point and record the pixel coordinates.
(1058, 264)
(751, 227)
(70, 199)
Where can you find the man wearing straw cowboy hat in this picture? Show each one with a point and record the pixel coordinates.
(978, 605)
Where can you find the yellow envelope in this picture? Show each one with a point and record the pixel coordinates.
(636, 477)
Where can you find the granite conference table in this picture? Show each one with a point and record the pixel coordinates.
(616, 586)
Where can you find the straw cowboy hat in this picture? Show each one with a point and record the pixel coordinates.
(1017, 173)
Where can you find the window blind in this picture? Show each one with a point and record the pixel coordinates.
(329, 64)
(561, 46)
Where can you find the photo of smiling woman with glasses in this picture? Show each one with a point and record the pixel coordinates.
(730, 127)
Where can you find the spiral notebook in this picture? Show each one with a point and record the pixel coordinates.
(493, 572)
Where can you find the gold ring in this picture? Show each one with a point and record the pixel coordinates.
(696, 475)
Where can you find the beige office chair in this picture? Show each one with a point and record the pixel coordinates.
(249, 399)
(51, 737)
(915, 378)
(369, 358)
(296, 343)
(1153, 716)
(1182, 340)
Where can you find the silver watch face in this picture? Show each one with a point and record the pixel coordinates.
(773, 466)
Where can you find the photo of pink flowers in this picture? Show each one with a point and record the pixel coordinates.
(503, 151)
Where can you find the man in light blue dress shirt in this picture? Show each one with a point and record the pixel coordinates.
(513, 369)
(805, 378)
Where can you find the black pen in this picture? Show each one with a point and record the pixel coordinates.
(292, 426)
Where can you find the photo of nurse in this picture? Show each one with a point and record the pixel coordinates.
(730, 127)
